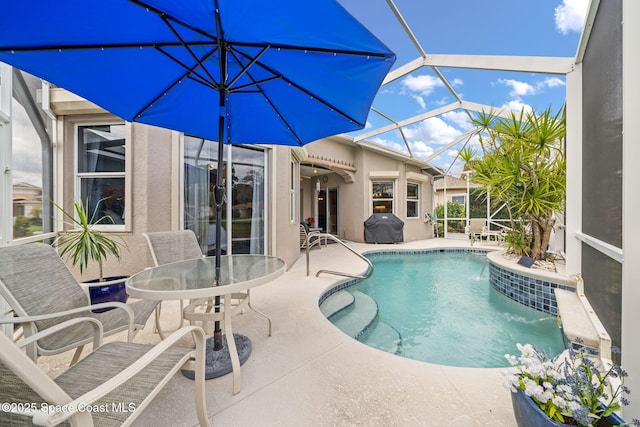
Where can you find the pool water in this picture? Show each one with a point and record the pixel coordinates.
(443, 307)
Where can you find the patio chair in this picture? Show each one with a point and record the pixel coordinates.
(42, 292)
(173, 246)
(476, 229)
(109, 387)
(308, 238)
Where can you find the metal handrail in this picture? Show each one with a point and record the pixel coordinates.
(325, 236)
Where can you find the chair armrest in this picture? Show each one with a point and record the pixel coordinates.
(97, 328)
(52, 417)
(88, 308)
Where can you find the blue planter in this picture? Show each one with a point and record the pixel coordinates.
(529, 414)
(113, 289)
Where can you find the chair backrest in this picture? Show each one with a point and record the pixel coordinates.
(303, 236)
(34, 280)
(172, 246)
(476, 225)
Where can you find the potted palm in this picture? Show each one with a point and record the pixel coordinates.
(84, 244)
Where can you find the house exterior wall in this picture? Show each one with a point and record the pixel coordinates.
(354, 188)
(149, 177)
(154, 192)
(285, 233)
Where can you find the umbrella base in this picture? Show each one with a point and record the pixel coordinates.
(218, 363)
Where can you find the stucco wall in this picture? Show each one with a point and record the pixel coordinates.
(149, 182)
(285, 233)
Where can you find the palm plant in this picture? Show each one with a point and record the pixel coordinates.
(524, 166)
(84, 243)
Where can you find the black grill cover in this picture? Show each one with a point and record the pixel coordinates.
(383, 228)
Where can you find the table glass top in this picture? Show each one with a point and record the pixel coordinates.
(198, 274)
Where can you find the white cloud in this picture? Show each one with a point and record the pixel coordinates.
(394, 145)
(423, 84)
(570, 14)
(517, 105)
(553, 82)
(518, 88)
(459, 118)
(420, 149)
(457, 82)
(420, 101)
(433, 131)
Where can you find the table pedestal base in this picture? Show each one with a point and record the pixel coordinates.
(218, 363)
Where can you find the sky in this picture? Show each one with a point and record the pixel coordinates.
(549, 28)
(495, 27)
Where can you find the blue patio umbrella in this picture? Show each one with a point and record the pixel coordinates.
(237, 71)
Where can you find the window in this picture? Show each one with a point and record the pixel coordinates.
(382, 196)
(458, 199)
(243, 211)
(100, 175)
(31, 155)
(292, 191)
(413, 200)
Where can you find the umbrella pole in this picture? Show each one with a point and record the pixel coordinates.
(219, 197)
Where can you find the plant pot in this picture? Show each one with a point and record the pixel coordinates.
(529, 414)
(112, 289)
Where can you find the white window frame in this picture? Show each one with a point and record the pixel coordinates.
(294, 169)
(415, 200)
(126, 174)
(464, 199)
(392, 198)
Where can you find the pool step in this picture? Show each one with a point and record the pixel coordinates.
(356, 314)
(336, 302)
(357, 318)
(382, 336)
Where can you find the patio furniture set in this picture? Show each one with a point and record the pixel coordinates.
(116, 380)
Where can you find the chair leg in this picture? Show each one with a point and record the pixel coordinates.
(157, 328)
(76, 355)
(257, 311)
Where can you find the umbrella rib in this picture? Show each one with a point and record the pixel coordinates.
(246, 67)
(312, 49)
(92, 46)
(297, 86)
(187, 74)
(172, 18)
(191, 70)
(187, 47)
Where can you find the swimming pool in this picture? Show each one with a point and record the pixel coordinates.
(444, 311)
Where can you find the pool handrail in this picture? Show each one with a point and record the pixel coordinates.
(325, 236)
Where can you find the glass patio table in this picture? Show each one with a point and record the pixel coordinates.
(192, 279)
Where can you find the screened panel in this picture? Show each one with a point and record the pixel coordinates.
(602, 127)
(602, 164)
(603, 285)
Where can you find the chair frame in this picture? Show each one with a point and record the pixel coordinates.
(202, 310)
(19, 315)
(58, 406)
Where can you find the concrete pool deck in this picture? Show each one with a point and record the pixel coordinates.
(310, 373)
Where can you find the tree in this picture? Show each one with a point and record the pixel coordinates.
(523, 165)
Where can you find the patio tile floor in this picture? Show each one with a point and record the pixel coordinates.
(310, 373)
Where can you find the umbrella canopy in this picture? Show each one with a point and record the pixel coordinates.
(291, 72)
(236, 71)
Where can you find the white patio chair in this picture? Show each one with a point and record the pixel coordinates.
(308, 238)
(476, 229)
(172, 246)
(116, 381)
(42, 293)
